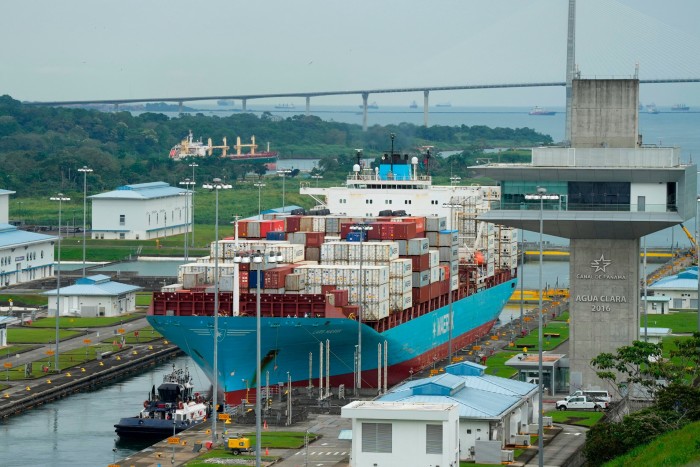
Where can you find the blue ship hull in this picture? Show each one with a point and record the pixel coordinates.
(287, 342)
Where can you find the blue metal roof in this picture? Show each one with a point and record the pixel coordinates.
(150, 190)
(684, 280)
(97, 285)
(477, 395)
(11, 235)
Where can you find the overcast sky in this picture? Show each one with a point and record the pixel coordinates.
(87, 49)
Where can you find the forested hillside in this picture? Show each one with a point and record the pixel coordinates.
(41, 148)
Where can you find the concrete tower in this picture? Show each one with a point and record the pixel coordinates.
(612, 190)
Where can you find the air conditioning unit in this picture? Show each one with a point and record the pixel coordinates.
(522, 440)
(547, 421)
(507, 456)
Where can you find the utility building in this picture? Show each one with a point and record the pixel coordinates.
(140, 212)
(603, 193)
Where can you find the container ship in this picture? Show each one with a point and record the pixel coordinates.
(189, 147)
(540, 111)
(366, 280)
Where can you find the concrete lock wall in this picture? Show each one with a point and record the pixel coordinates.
(604, 302)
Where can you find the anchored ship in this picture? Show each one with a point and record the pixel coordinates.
(393, 282)
(189, 147)
(540, 111)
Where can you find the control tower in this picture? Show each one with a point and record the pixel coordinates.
(610, 190)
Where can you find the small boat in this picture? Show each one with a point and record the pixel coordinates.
(413, 105)
(680, 108)
(540, 111)
(285, 106)
(372, 105)
(443, 104)
(173, 408)
(651, 109)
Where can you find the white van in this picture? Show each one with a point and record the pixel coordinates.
(596, 395)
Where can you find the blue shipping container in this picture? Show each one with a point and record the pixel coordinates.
(253, 279)
(354, 237)
(275, 236)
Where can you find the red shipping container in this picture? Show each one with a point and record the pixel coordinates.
(326, 289)
(419, 221)
(398, 230)
(341, 297)
(376, 232)
(274, 278)
(419, 262)
(292, 224)
(434, 289)
(243, 228)
(421, 294)
(315, 239)
(446, 270)
(243, 279)
(345, 229)
(276, 225)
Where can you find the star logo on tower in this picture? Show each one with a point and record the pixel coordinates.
(600, 264)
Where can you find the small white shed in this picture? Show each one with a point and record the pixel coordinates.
(92, 296)
(400, 434)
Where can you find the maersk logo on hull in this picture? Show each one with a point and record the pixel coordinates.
(441, 325)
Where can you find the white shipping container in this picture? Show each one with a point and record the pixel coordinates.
(171, 288)
(401, 302)
(418, 246)
(435, 224)
(399, 285)
(434, 258)
(454, 282)
(295, 282)
(400, 267)
(449, 253)
(434, 274)
(421, 278)
(375, 311)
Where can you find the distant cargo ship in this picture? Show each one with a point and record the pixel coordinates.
(443, 104)
(540, 111)
(651, 109)
(413, 105)
(285, 106)
(680, 108)
(189, 147)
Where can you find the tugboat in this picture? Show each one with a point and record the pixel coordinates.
(174, 408)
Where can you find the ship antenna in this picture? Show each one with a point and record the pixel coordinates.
(427, 161)
(358, 154)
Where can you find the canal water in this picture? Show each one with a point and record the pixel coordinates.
(78, 430)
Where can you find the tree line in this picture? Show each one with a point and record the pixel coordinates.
(42, 147)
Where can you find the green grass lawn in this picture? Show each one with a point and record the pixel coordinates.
(496, 364)
(75, 322)
(550, 342)
(144, 298)
(29, 335)
(30, 300)
(679, 447)
(576, 417)
(68, 359)
(681, 322)
(12, 350)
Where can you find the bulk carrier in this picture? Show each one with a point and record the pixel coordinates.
(393, 282)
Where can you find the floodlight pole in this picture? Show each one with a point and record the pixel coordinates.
(60, 198)
(85, 170)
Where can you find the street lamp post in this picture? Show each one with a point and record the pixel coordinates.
(258, 259)
(283, 173)
(259, 185)
(187, 184)
(60, 198)
(193, 165)
(451, 207)
(317, 177)
(85, 170)
(541, 195)
(362, 229)
(216, 185)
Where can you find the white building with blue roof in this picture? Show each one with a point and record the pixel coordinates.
(491, 409)
(24, 256)
(681, 288)
(93, 296)
(140, 211)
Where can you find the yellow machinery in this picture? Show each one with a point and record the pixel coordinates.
(239, 444)
(689, 235)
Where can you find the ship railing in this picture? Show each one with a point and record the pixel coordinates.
(376, 178)
(563, 205)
